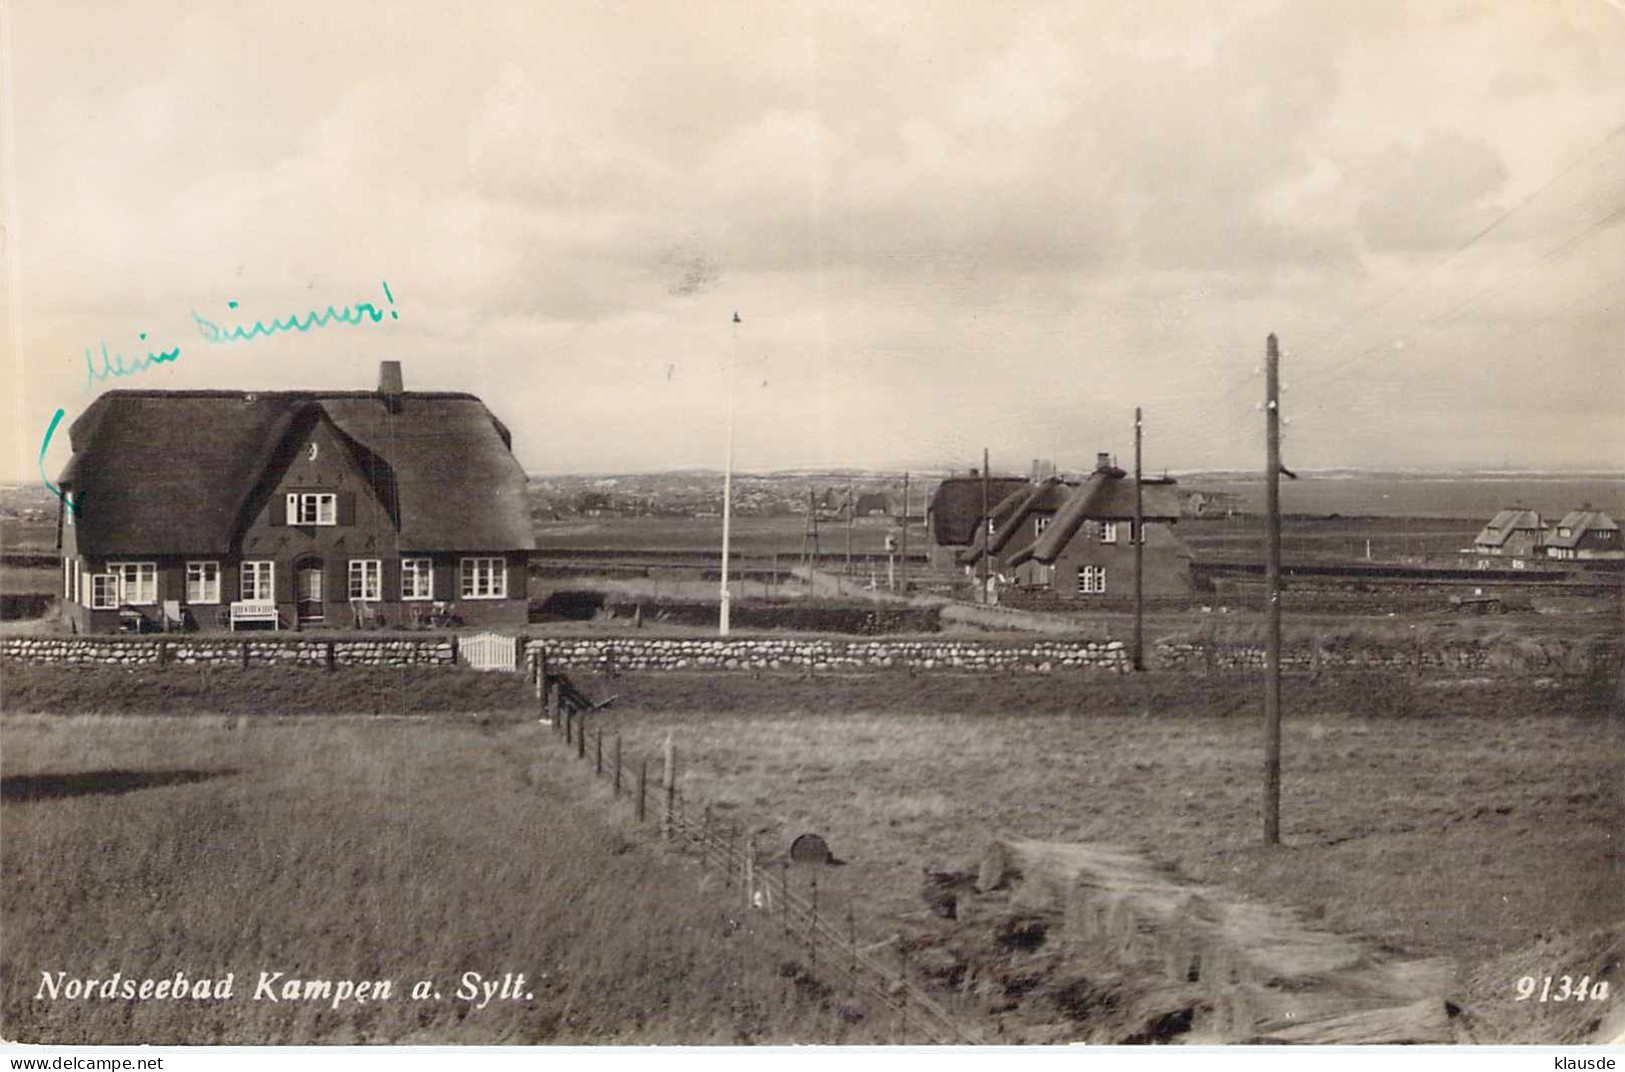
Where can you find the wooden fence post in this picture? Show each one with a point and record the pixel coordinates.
(245, 655)
(455, 655)
(598, 753)
(733, 834)
(852, 946)
(581, 735)
(329, 660)
(668, 778)
(163, 654)
(812, 928)
(643, 785)
(617, 766)
(569, 727)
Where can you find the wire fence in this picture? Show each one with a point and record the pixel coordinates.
(817, 927)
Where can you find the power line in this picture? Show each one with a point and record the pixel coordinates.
(1330, 374)
(1472, 241)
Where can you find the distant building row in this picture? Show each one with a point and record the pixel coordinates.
(1520, 534)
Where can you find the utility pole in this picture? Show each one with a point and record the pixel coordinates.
(1272, 575)
(986, 525)
(809, 539)
(728, 480)
(905, 534)
(851, 515)
(1138, 536)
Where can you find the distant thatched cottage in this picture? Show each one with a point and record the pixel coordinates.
(1514, 533)
(1584, 534)
(292, 509)
(1085, 550)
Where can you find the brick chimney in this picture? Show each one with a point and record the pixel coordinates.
(390, 386)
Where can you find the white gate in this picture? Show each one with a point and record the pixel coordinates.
(489, 651)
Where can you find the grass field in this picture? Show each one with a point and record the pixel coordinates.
(1473, 821)
(1478, 819)
(359, 849)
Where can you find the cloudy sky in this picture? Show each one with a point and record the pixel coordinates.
(1005, 226)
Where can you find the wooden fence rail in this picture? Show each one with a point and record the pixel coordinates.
(826, 935)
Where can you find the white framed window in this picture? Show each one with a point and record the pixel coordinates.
(258, 582)
(1108, 532)
(78, 583)
(366, 578)
(417, 578)
(1091, 580)
(203, 582)
(104, 591)
(1565, 532)
(137, 582)
(483, 578)
(313, 508)
(1040, 524)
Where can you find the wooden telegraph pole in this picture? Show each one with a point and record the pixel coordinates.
(905, 534)
(1138, 536)
(728, 482)
(851, 515)
(986, 524)
(1272, 575)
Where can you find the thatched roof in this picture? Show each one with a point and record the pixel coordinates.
(1010, 518)
(1505, 523)
(1105, 496)
(956, 506)
(183, 472)
(1577, 523)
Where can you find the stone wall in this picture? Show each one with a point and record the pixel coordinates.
(744, 653)
(1552, 656)
(184, 651)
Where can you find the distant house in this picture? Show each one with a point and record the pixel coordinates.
(292, 508)
(1086, 551)
(1015, 525)
(873, 504)
(1584, 534)
(956, 507)
(1513, 533)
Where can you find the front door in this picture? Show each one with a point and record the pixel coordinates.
(308, 592)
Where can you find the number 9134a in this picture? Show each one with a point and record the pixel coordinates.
(1562, 988)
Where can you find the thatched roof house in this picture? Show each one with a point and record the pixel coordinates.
(1087, 548)
(312, 502)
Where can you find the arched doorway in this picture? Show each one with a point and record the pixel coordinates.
(309, 606)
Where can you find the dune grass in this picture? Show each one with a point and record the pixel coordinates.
(360, 849)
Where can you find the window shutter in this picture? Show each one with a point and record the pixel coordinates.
(346, 507)
(290, 512)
